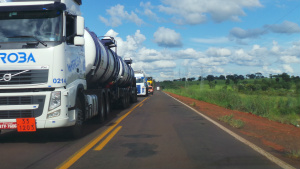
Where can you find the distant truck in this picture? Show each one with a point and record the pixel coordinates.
(150, 85)
(150, 90)
(141, 83)
(54, 73)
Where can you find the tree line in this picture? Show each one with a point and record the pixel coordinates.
(235, 77)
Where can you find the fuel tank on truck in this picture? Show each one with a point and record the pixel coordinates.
(126, 73)
(101, 64)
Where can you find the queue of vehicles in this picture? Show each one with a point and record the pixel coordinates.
(56, 73)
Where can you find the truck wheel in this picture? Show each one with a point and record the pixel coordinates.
(123, 102)
(135, 97)
(107, 106)
(127, 100)
(102, 110)
(76, 130)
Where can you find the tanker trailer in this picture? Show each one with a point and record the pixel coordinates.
(110, 79)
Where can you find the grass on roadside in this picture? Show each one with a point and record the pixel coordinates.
(284, 109)
(294, 154)
(193, 104)
(236, 123)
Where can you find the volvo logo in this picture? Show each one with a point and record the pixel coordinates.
(7, 77)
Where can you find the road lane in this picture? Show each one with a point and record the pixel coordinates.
(48, 149)
(162, 133)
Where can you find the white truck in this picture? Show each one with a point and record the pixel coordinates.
(55, 73)
(141, 83)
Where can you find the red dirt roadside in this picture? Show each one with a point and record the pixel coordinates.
(276, 138)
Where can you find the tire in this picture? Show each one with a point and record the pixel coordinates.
(135, 97)
(128, 99)
(108, 106)
(123, 102)
(101, 115)
(77, 129)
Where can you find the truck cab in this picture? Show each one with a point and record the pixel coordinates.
(141, 83)
(42, 64)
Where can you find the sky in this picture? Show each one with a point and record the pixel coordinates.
(171, 39)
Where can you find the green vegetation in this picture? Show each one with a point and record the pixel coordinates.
(237, 123)
(277, 99)
(193, 104)
(294, 154)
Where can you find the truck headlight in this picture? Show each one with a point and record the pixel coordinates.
(55, 100)
(53, 114)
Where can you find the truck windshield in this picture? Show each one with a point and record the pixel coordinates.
(139, 80)
(29, 26)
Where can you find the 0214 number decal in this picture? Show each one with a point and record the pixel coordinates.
(59, 80)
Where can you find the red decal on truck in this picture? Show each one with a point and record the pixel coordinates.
(8, 125)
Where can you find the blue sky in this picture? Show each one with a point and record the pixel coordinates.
(169, 39)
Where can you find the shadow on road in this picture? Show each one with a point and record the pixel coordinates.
(57, 135)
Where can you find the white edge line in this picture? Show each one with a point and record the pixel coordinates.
(272, 158)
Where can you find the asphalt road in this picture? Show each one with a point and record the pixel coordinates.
(157, 132)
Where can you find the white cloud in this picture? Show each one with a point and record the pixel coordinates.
(287, 68)
(211, 40)
(188, 54)
(111, 33)
(166, 37)
(218, 52)
(129, 47)
(213, 61)
(147, 11)
(117, 15)
(148, 55)
(156, 65)
(289, 59)
(275, 47)
(168, 75)
(284, 27)
(196, 12)
(266, 70)
(240, 33)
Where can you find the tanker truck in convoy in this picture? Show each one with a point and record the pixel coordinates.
(141, 83)
(55, 73)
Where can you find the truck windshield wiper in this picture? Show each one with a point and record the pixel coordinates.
(43, 43)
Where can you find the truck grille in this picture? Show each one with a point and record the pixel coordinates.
(20, 77)
(23, 100)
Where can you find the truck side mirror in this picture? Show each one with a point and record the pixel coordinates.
(78, 41)
(79, 26)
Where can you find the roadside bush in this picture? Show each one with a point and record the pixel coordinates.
(258, 105)
(287, 106)
(251, 87)
(212, 85)
(227, 82)
(237, 123)
(241, 87)
(298, 88)
(286, 85)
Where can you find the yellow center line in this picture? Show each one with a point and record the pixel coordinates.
(108, 138)
(70, 161)
(141, 105)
